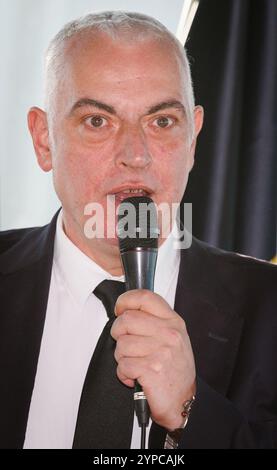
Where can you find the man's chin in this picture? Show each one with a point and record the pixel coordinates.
(112, 242)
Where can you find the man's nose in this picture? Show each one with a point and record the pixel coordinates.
(133, 149)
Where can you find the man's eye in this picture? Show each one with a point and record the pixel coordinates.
(163, 122)
(96, 121)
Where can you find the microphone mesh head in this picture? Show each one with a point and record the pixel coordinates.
(137, 223)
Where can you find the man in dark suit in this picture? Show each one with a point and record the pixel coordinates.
(120, 118)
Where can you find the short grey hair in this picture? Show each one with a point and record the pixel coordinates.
(117, 25)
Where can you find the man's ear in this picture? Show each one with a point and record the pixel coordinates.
(198, 123)
(198, 119)
(38, 127)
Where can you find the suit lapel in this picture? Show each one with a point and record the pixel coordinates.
(213, 321)
(24, 286)
(211, 312)
(215, 338)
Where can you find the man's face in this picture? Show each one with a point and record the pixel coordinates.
(118, 123)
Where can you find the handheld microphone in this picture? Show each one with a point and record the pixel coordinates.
(138, 243)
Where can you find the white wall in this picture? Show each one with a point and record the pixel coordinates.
(26, 194)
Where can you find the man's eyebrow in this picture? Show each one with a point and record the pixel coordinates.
(110, 109)
(90, 102)
(166, 104)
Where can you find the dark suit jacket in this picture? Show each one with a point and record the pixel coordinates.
(229, 305)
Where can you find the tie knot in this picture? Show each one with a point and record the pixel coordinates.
(108, 291)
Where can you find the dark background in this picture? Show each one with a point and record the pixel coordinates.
(232, 48)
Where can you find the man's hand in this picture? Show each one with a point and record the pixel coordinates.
(153, 347)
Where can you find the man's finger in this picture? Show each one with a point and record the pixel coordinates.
(137, 322)
(146, 300)
(134, 346)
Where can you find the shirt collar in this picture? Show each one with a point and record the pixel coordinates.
(167, 264)
(79, 272)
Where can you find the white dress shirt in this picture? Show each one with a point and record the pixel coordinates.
(75, 318)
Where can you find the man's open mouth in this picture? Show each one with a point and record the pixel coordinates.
(122, 194)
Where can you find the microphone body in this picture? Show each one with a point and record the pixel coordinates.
(139, 258)
(139, 267)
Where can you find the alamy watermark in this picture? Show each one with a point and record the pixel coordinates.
(103, 222)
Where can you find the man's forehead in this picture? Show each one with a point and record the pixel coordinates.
(135, 67)
(88, 69)
(101, 47)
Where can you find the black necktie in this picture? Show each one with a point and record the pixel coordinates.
(105, 417)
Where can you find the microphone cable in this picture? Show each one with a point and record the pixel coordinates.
(142, 411)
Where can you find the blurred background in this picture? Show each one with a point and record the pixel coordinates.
(232, 48)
